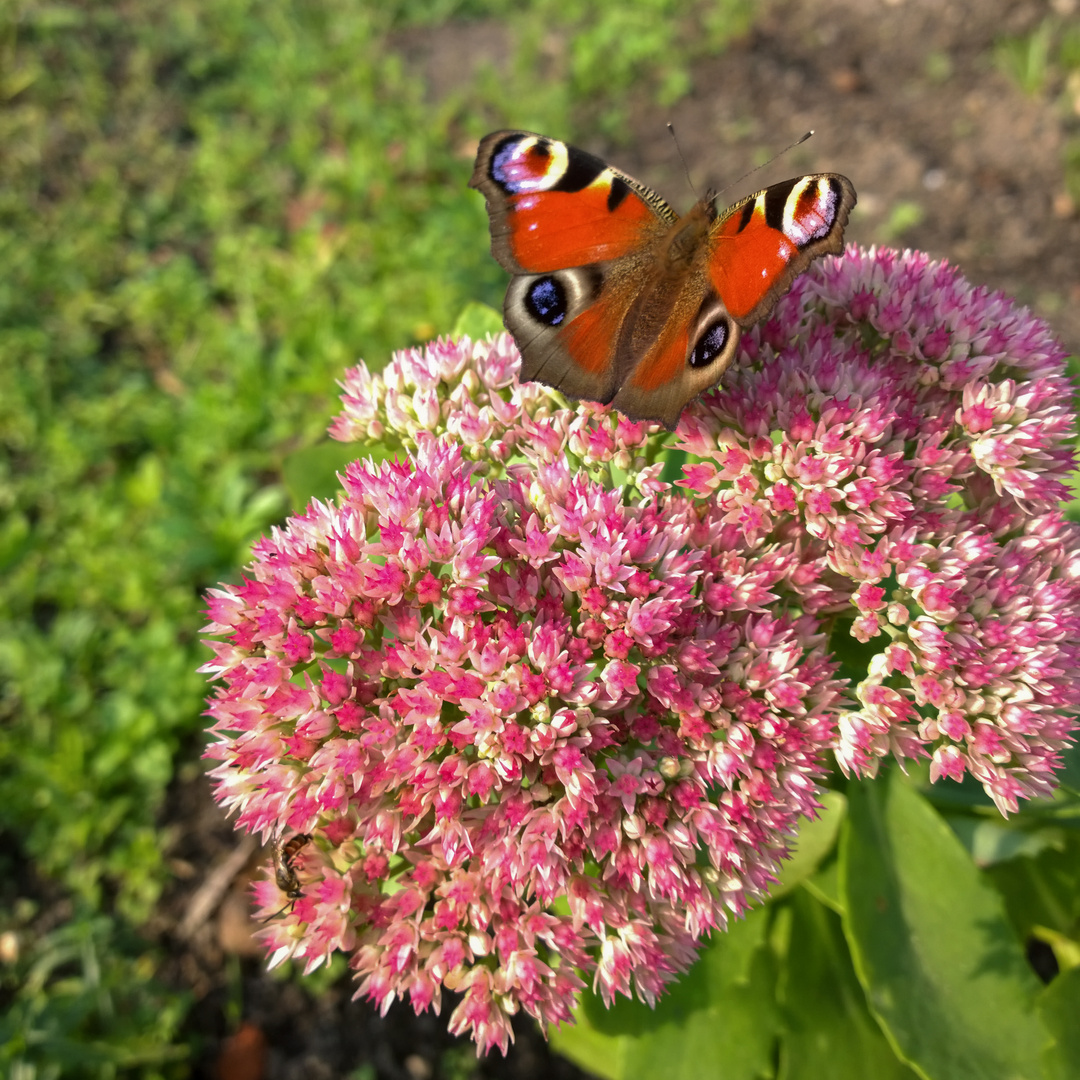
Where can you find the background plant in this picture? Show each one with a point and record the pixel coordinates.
(207, 211)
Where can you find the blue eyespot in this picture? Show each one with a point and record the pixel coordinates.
(545, 299)
(710, 344)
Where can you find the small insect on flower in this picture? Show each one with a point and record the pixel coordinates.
(285, 872)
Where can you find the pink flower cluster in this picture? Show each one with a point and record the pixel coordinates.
(547, 716)
(468, 392)
(515, 715)
(915, 433)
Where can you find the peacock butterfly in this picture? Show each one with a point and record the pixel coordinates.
(617, 299)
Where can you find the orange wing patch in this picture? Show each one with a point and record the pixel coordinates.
(763, 242)
(664, 362)
(739, 247)
(588, 338)
(551, 230)
(554, 207)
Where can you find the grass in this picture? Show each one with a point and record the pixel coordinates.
(207, 210)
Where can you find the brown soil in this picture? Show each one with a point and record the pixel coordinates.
(907, 101)
(905, 98)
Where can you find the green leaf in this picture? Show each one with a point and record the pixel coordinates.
(674, 460)
(990, 842)
(943, 972)
(1043, 890)
(718, 1022)
(311, 473)
(825, 885)
(829, 1031)
(1069, 777)
(1059, 1007)
(477, 321)
(966, 796)
(854, 656)
(815, 839)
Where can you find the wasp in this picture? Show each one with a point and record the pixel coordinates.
(284, 871)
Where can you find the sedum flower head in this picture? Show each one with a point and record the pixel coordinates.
(537, 732)
(550, 720)
(915, 433)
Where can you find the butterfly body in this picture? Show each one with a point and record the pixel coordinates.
(616, 298)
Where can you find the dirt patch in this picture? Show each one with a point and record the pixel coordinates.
(946, 152)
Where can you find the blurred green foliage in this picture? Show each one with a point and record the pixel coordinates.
(1028, 58)
(208, 209)
(84, 1003)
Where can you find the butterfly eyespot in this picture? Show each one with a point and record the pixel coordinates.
(522, 165)
(710, 344)
(546, 302)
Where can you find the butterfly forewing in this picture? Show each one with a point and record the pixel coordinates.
(776, 234)
(553, 207)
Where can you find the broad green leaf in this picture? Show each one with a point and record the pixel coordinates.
(829, 1029)
(815, 839)
(1043, 890)
(477, 321)
(825, 885)
(674, 460)
(1069, 777)
(717, 1023)
(967, 795)
(943, 972)
(1059, 1007)
(854, 656)
(1066, 948)
(990, 842)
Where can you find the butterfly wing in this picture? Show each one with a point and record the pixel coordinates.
(752, 253)
(761, 244)
(578, 237)
(692, 349)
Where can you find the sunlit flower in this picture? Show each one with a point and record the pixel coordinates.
(533, 729)
(468, 391)
(915, 433)
(549, 718)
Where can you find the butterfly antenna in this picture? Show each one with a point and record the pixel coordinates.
(758, 168)
(686, 168)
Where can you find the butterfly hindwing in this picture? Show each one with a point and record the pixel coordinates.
(562, 323)
(689, 356)
(573, 231)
